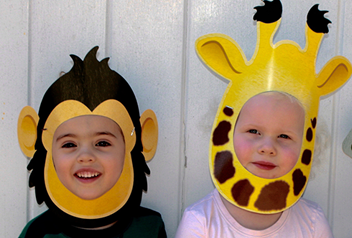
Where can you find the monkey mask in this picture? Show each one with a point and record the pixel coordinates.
(89, 88)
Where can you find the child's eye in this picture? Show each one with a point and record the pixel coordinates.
(103, 143)
(284, 136)
(253, 131)
(68, 145)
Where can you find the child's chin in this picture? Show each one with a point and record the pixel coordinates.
(89, 195)
(265, 174)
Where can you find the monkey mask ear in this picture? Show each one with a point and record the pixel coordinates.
(149, 135)
(27, 130)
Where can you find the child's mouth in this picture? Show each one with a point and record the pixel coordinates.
(264, 165)
(87, 176)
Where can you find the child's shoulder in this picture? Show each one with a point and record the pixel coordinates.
(147, 216)
(143, 212)
(306, 213)
(39, 225)
(146, 221)
(307, 206)
(206, 200)
(205, 206)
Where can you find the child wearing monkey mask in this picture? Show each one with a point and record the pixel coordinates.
(89, 156)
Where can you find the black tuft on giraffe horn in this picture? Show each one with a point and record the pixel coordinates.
(269, 13)
(316, 20)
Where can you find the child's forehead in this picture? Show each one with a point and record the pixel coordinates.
(274, 95)
(82, 122)
(272, 105)
(93, 118)
(272, 98)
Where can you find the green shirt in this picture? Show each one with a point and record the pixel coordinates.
(146, 223)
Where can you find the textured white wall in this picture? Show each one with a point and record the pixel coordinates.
(13, 96)
(151, 44)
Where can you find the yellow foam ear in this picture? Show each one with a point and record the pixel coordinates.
(334, 74)
(27, 130)
(149, 134)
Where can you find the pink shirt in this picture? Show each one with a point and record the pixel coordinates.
(209, 218)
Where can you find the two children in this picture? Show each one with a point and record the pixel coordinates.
(257, 190)
(89, 163)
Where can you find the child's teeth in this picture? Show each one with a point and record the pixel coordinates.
(87, 174)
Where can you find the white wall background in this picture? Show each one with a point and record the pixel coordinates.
(151, 43)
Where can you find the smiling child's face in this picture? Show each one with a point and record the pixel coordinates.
(268, 134)
(88, 154)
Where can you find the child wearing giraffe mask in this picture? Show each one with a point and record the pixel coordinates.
(262, 144)
(267, 141)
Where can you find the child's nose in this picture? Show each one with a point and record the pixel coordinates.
(267, 147)
(86, 156)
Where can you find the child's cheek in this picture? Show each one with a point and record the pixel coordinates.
(291, 157)
(243, 150)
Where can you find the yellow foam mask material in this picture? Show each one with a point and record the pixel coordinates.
(115, 198)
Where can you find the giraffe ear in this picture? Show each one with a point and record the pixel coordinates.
(222, 54)
(149, 134)
(27, 130)
(334, 74)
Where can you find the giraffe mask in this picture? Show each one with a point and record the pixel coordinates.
(282, 67)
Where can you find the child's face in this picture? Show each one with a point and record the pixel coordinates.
(268, 134)
(88, 154)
